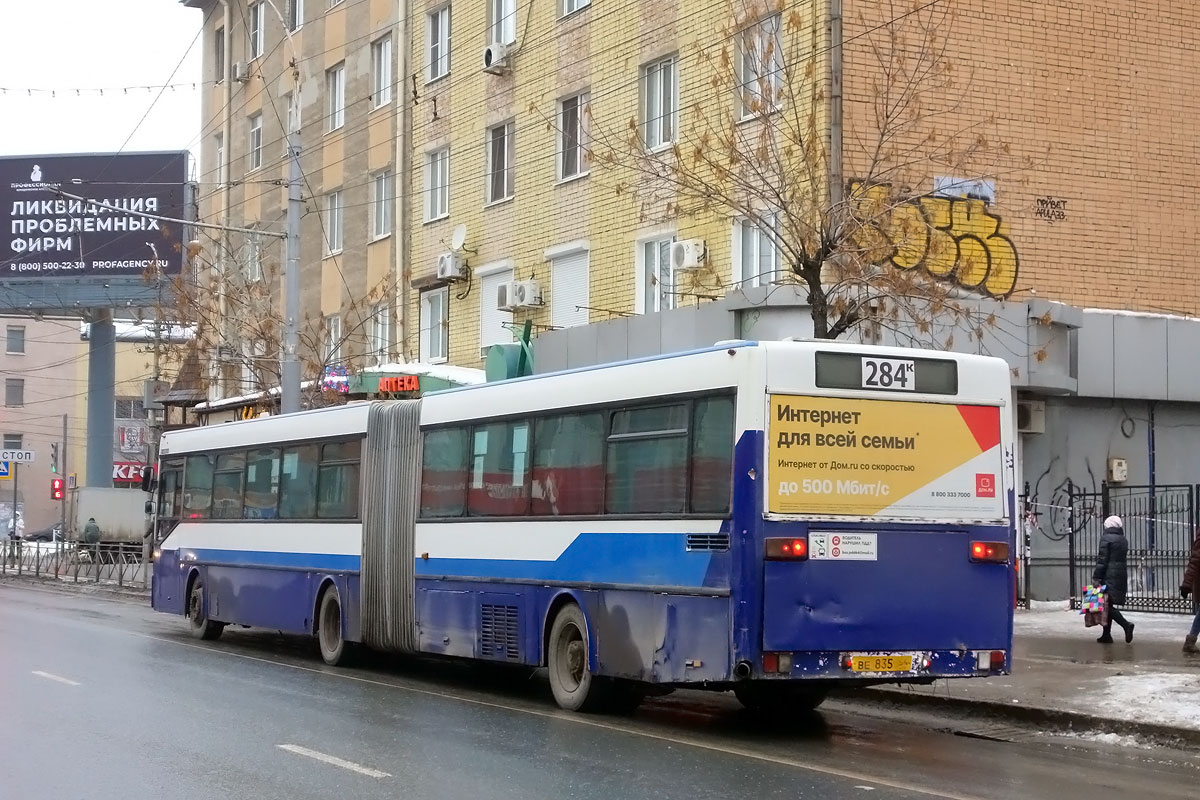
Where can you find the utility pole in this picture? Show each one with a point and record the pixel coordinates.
(62, 453)
(16, 471)
(289, 371)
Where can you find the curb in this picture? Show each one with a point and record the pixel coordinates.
(82, 587)
(1058, 719)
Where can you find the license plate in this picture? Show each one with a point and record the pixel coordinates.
(881, 663)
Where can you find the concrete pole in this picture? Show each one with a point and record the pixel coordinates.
(289, 400)
(102, 365)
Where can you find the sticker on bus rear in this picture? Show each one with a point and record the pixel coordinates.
(843, 546)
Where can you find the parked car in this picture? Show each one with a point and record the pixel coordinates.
(51, 534)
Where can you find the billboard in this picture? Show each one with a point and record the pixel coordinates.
(884, 458)
(93, 215)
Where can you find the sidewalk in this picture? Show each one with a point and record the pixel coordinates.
(1063, 677)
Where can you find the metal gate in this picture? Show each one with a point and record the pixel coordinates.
(1160, 524)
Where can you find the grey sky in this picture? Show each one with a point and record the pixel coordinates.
(69, 45)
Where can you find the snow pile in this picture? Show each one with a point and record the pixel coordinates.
(1163, 698)
(1069, 623)
(1104, 738)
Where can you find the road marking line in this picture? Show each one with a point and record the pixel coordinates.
(58, 678)
(334, 761)
(565, 716)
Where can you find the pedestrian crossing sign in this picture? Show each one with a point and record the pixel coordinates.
(5, 472)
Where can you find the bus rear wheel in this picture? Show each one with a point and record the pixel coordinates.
(201, 626)
(775, 698)
(334, 649)
(575, 687)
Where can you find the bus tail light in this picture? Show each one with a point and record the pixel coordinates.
(780, 663)
(993, 552)
(790, 549)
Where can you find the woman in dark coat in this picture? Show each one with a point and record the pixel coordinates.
(1112, 572)
(1190, 576)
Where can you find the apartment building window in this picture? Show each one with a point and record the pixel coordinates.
(14, 392)
(572, 160)
(333, 339)
(569, 287)
(295, 15)
(760, 67)
(571, 6)
(219, 55)
(13, 441)
(334, 208)
(256, 141)
(437, 61)
(660, 102)
(222, 172)
(335, 88)
(434, 347)
(437, 184)
(502, 21)
(382, 196)
(656, 278)
(381, 71)
(128, 408)
(14, 340)
(495, 325)
(501, 154)
(258, 29)
(254, 257)
(757, 258)
(381, 329)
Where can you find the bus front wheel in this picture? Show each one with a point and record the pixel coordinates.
(201, 626)
(333, 647)
(774, 697)
(571, 680)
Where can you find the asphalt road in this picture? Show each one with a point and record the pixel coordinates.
(106, 699)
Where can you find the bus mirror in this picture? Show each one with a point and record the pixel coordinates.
(147, 479)
(149, 507)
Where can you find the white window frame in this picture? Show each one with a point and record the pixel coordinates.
(502, 22)
(568, 7)
(254, 249)
(649, 274)
(753, 275)
(509, 150)
(660, 110)
(437, 51)
(333, 339)
(334, 210)
(335, 88)
(256, 28)
(219, 54)
(254, 153)
(295, 15)
(572, 136)
(381, 332)
(381, 71)
(383, 195)
(437, 184)
(8, 336)
(435, 331)
(14, 386)
(757, 45)
(222, 171)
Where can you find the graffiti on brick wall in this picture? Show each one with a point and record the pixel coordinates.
(1051, 209)
(950, 238)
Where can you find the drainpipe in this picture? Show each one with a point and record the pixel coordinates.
(404, 182)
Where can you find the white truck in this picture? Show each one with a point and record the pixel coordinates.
(120, 513)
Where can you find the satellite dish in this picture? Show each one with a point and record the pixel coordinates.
(459, 237)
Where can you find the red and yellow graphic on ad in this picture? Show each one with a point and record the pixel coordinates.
(890, 458)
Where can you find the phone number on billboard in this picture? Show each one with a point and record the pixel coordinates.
(48, 266)
(950, 494)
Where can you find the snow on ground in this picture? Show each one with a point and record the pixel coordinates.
(1163, 698)
(1103, 738)
(1066, 622)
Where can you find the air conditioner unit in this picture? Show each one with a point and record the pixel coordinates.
(1031, 416)
(241, 71)
(495, 58)
(449, 267)
(526, 294)
(506, 295)
(687, 254)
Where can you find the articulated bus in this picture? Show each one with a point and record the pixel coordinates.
(773, 518)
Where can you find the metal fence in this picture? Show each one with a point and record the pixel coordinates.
(1160, 524)
(114, 564)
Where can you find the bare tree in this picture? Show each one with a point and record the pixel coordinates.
(895, 232)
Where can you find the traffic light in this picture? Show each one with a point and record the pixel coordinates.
(56, 488)
(54, 456)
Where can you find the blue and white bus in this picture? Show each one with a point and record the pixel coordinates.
(772, 518)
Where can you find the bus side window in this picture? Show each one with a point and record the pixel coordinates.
(227, 486)
(337, 482)
(499, 470)
(568, 465)
(170, 493)
(647, 461)
(712, 455)
(444, 473)
(262, 484)
(198, 487)
(298, 483)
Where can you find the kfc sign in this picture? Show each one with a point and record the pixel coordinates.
(127, 471)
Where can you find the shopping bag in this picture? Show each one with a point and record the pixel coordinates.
(1094, 606)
